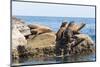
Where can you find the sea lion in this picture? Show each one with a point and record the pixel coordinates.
(31, 26)
(75, 27)
(40, 31)
(65, 37)
(59, 34)
(37, 29)
(63, 45)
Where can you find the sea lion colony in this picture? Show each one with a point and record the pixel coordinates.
(68, 41)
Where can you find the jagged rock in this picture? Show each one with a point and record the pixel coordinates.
(42, 40)
(19, 31)
(17, 38)
(21, 26)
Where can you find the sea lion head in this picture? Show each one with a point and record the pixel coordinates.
(63, 24)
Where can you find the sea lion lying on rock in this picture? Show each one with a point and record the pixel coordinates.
(39, 29)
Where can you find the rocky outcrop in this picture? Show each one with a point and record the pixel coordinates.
(21, 47)
(21, 26)
(87, 45)
(39, 40)
(17, 38)
(19, 31)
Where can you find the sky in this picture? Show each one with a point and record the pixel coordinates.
(55, 10)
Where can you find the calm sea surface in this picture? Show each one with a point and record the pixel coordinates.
(54, 23)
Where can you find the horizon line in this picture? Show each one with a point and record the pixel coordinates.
(55, 16)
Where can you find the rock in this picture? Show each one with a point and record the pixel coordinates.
(87, 38)
(19, 31)
(87, 45)
(17, 38)
(21, 26)
(42, 40)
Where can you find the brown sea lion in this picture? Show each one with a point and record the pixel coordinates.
(59, 34)
(75, 27)
(40, 31)
(37, 29)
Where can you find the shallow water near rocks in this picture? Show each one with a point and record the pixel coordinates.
(54, 60)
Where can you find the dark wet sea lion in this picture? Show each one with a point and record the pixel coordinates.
(59, 34)
(63, 37)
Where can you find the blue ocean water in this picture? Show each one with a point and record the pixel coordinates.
(55, 22)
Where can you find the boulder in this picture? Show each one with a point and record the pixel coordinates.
(21, 26)
(86, 38)
(87, 45)
(17, 38)
(42, 40)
